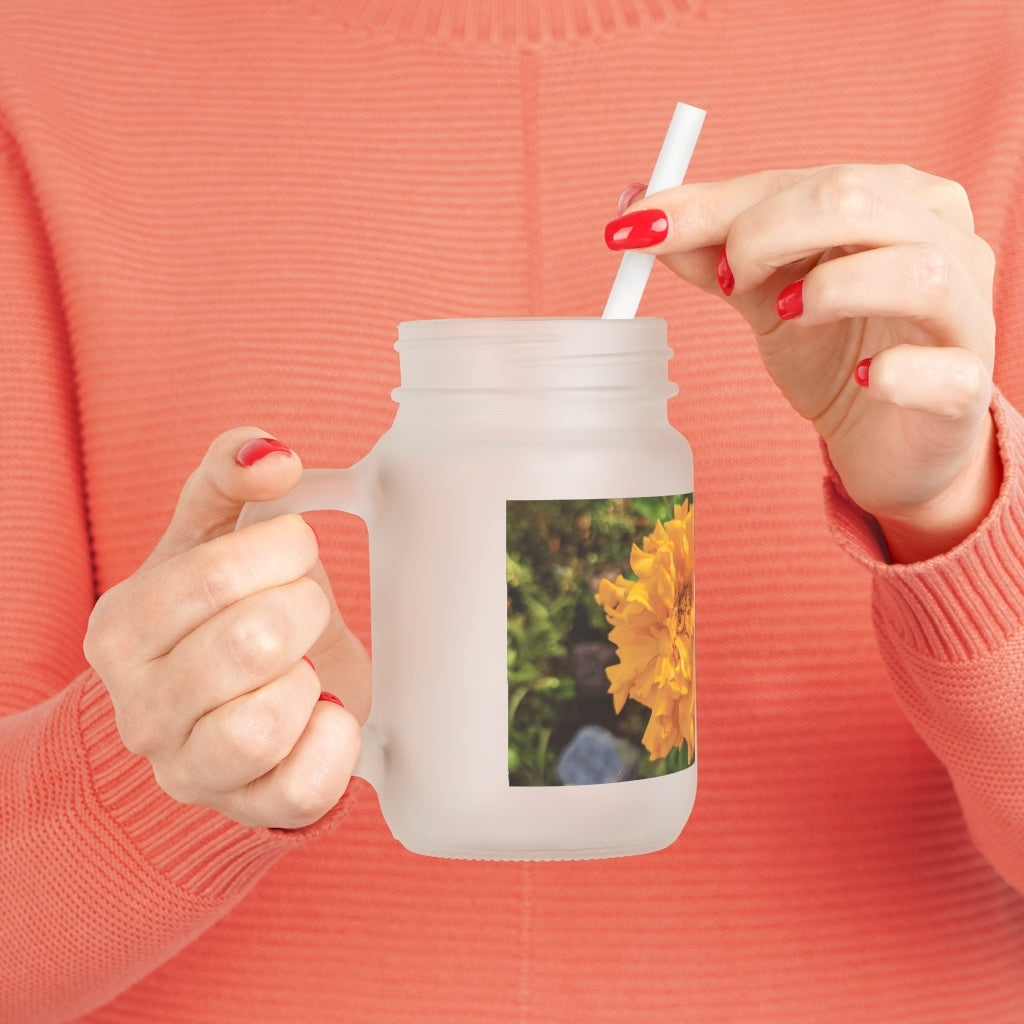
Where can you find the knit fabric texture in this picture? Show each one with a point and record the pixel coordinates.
(215, 214)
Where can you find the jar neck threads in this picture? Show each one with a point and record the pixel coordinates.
(532, 360)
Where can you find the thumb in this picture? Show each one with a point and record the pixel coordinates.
(241, 465)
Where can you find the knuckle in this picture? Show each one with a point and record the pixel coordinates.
(254, 641)
(104, 642)
(109, 649)
(96, 642)
(178, 783)
(221, 581)
(779, 179)
(931, 271)
(135, 731)
(143, 730)
(903, 173)
(957, 383)
(971, 382)
(950, 201)
(953, 196)
(310, 795)
(254, 733)
(849, 195)
(264, 634)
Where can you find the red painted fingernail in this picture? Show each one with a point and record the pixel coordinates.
(331, 698)
(309, 663)
(637, 230)
(861, 373)
(252, 451)
(724, 274)
(790, 303)
(629, 195)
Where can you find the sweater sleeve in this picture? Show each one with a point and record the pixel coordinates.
(951, 631)
(102, 876)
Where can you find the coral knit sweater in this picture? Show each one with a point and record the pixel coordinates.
(215, 213)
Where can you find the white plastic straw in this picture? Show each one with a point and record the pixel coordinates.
(674, 158)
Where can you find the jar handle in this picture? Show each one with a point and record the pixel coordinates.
(350, 490)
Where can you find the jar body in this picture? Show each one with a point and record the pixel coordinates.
(447, 479)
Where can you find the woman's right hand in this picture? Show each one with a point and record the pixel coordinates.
(203, 650)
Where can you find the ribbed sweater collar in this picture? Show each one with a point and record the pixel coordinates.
(525, 22)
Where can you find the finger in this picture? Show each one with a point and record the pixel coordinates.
(839, 208)
(701, 215)
(172, 598)
(214, 494)
(310, 780)
(920, 283)
(243, 739)
(951, 385)
(238, 651)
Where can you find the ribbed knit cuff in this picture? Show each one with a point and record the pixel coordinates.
(964, 603)
(196, 849)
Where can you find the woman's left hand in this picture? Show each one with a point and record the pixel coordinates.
(870, 297)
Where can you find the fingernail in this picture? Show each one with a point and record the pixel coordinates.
(252, 451)
(637, 230)
(309, 663)
(724, 274)
(790, 303)
(331, 698)
(629, 195)
(861, 373)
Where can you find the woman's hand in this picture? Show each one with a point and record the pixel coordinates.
(871, 300)
(203, 650)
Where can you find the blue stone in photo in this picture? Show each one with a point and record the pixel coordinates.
(594, 755)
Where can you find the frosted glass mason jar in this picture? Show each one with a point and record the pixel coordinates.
(529, 459)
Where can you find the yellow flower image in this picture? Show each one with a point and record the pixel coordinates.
(652, 629)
